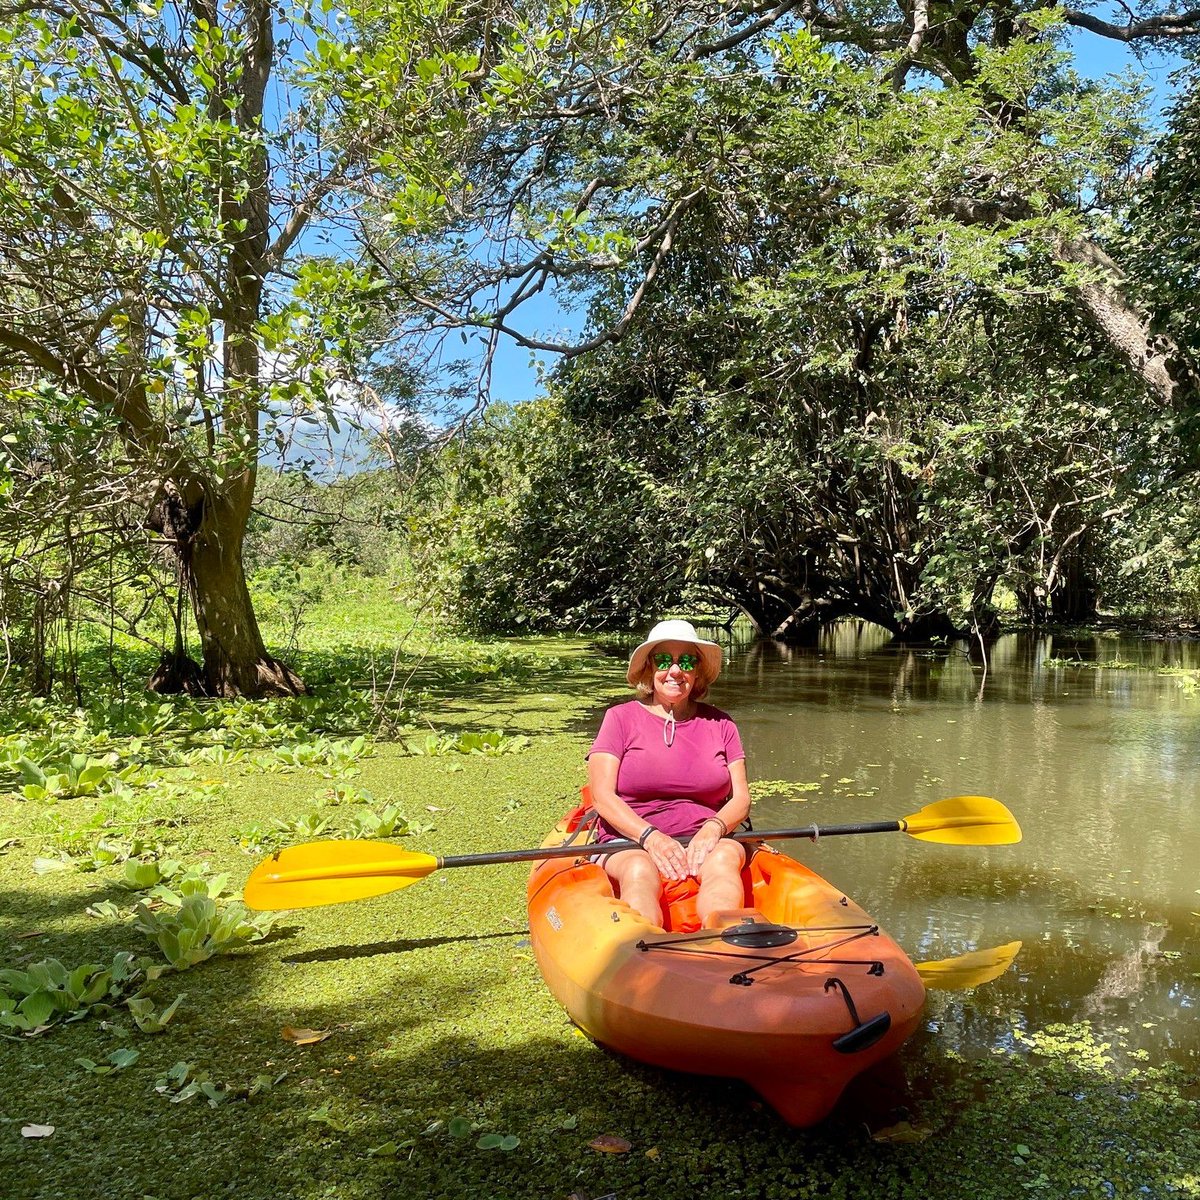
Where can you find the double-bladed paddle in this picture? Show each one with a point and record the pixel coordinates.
(333, 872)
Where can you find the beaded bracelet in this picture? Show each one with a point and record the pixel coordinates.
(645, 834)
(724, 827)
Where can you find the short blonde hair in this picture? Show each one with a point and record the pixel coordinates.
(645, 684)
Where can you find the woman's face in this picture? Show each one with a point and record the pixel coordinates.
(673, 683)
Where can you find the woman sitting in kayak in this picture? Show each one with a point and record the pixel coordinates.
(664, 766)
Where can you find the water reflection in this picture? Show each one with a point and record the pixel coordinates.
(1100, 764)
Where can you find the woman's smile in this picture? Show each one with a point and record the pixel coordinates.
(673, 682)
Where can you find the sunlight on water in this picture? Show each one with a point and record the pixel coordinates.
(1101, 766)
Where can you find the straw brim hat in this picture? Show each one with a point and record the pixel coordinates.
(674, 631)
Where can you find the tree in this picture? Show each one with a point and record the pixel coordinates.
(891, 410)
(785, 242)
(607, 146)
(161, 165)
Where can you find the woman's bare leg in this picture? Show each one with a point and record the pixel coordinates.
(721, 880)
(638, 882)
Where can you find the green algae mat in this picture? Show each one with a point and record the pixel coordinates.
(404, 1046)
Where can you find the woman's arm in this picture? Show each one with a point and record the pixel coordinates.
(737, 808)
(602, 782)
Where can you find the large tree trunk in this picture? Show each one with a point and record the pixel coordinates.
(207, 529)
(236, 662)
(1161, 364)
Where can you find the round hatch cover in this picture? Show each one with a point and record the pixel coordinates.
(759, 936)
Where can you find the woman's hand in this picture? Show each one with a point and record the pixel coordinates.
(702, 844)
(668, 856)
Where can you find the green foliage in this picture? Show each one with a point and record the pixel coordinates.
(49, 993)
(332, 757)
(118, 1060)
(531, 489)
(495, 741)
(305, 531)
(76, 775)
(305, 828)
(1161, 240)
(184, 1081)
(387, 822)
(198, 927)
(147, 1016)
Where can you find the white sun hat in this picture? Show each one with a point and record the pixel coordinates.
(675, 631)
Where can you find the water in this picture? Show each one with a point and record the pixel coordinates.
(1101, 767)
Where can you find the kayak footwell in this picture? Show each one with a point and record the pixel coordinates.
(796, 992)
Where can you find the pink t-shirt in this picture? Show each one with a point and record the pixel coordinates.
(673, 787)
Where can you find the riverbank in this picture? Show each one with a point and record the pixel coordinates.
(404, 1047)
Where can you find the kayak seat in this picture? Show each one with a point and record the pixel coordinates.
(678, 895)
(679, 905)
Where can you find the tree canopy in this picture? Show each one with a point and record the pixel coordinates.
(868, 269)
(164, 166)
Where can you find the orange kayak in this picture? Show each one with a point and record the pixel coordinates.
(795, 993)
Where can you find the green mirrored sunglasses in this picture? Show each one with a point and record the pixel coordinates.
(687, 662)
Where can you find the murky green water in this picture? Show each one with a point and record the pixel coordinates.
(1100, 765)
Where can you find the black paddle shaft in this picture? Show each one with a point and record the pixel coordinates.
(578, 849)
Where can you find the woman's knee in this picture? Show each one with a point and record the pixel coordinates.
(634, 868)
(725, 858)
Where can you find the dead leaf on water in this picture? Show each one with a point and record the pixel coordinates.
(36, 1131)
(607, 1143)
(305, 1037)
(901, 1133)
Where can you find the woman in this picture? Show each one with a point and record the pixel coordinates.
(664, 766)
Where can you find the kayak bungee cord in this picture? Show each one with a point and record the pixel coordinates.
(805, 957)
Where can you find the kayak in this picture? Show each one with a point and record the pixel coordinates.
(796, 992)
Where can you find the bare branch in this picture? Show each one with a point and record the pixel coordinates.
(707, 49)
(1165, 25)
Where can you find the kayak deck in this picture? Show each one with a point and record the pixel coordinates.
(795, 992)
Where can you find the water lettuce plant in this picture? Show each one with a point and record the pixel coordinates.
(49, 992)
(198, 927)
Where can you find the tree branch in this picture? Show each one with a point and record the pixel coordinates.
(1165, 25)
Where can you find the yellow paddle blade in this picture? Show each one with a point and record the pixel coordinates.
(333, 872)
(968, 970)
(964, 821)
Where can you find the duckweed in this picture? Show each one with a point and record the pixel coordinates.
(449, 1072)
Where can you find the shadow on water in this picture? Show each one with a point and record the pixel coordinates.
(1100, 763)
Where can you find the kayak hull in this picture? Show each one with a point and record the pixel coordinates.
(796, 1020)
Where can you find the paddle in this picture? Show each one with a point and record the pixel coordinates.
(968, 970)
(334, 872)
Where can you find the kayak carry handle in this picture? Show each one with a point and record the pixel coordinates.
(865, 1033)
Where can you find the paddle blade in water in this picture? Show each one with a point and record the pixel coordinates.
(333, 872)
(964, 821)
(968, 970)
